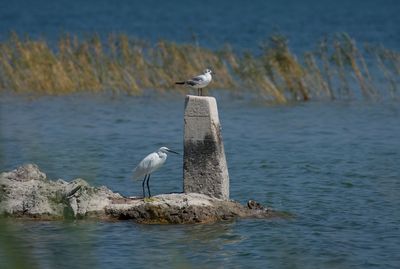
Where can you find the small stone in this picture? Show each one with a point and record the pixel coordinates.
(251, 204)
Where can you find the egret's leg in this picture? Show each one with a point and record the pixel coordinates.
(148, 188)
(144, 194)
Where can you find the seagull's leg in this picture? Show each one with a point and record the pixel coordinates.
(144, 194)
(198, 92)
(148, 188)
(201, 92)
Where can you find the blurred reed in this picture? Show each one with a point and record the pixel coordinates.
(337, 68)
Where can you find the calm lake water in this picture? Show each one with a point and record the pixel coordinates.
(334, 165)
(211, 23)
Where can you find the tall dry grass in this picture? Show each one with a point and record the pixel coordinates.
(337, 68)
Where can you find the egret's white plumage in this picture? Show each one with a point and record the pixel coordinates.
(149, 164)
(198, 82)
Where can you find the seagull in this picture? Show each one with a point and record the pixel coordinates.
(198, 82)
(149, 164)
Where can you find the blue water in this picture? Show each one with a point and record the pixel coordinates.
(334, 165)
(211, 23)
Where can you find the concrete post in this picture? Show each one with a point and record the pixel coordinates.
(204, 165)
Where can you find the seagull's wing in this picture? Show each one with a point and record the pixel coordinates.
(196, 80)
(199, 78)
(145, 166)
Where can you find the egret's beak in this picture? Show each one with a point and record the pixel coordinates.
(173, 151)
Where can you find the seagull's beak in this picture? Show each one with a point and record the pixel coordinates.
(173, 151)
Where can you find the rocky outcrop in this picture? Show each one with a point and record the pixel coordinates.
(26, 192)
(182, 208)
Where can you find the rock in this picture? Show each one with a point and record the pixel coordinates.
(25, 173)
(251, 204)
(179, 208)
(27, 193)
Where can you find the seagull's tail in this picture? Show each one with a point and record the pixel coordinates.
(180, 82)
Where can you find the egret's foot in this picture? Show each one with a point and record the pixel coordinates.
(149, 199)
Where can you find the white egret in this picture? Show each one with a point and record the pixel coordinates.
(149, 164)
(198, 82)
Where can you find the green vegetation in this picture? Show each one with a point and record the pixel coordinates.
(336, 69)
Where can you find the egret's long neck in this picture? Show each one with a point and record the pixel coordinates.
(162, 154)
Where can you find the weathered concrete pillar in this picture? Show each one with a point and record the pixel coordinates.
(204, 164)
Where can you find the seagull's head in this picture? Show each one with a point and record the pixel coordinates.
(208, 71)
(166, 150)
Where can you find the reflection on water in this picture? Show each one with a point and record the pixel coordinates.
(333, 165)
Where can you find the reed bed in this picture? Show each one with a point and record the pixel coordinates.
(337, 68)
